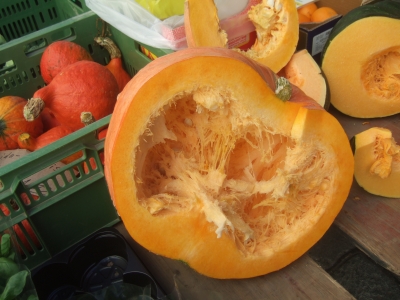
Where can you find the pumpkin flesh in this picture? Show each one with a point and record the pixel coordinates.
(377, 162)
(361, 61)
(276, 23)
(304, 72)
(209, 176)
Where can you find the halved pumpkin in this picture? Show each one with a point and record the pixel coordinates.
(276, 23)
(377, 162)
(207, 165)
(361, 61)
(303, 71)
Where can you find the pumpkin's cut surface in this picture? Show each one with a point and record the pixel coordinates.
(377, 162)
(205, 164)
(304, 72)
(276, 23)
(361, 61)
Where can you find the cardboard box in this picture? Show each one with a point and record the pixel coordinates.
(313, 36)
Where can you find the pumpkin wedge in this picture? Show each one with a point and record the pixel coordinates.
(361, 61)
(207, 165)
(276, 23)
(303, 71)
(377, 162)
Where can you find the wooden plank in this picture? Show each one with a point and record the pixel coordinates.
(372, 221)
(303, 279)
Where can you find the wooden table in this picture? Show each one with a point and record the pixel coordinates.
(372, 222)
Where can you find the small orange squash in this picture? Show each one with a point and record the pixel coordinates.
(115, 65)
(80, 87)
(59, 55)
(12, 122)
(26, 141)
(206, 164)
(276, 23)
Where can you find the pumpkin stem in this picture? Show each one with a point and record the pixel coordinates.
(283, 88)
(26, 141)
(110, 46)
(33, 108)
(87, 118)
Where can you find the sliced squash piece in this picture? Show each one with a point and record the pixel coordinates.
(207, 165)
(377, 162)
(303, 71)
(361, 61)
(276, 23)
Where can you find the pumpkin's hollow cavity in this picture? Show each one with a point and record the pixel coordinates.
(381, 74)
(205, 152)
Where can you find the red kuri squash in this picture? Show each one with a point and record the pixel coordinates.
(58, 55)
(115, 65)
(84, 86)
(12, 122)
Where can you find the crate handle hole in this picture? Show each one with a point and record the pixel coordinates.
(7, 66)
(14, 205)
(77, 2)
(25, 198)
(60, 181)
(68, 176)
(5, 84)
(5, 210)
(31, 233)
(51, 185)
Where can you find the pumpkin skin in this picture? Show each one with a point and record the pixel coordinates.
(84, 86)
(12, 122)
(58, 55)
(377, 162)
(214, 127)
(48, 119)
(359, 58)
(26, 141)
(277, 28)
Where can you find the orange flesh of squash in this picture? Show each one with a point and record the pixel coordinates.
(219, 172)
(276, 23)
(363, 72)
(304, 72)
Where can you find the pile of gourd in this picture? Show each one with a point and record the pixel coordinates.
(77, 92)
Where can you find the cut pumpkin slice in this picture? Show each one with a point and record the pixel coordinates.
(361, 61)
(377, 162)
(304, 72)
(207, 165)
(276, 23)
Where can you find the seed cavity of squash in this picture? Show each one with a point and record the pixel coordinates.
(253, 184)
(269, 19)
(381, 74)
(386, 151)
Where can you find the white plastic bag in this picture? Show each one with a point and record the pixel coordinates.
(136, 22)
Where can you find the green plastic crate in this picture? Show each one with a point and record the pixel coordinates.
(70, 203)
(22, 17)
